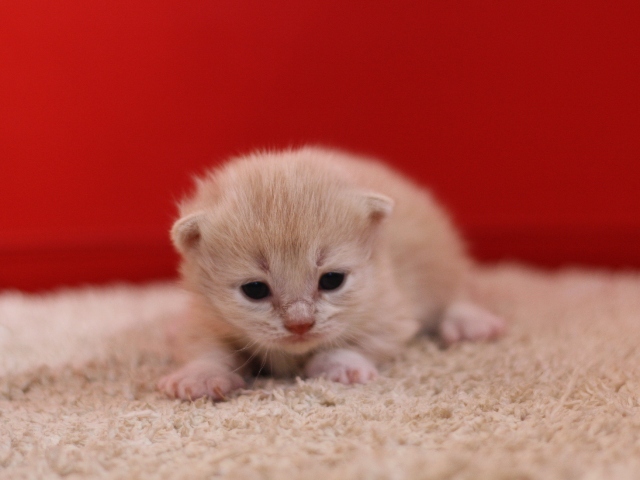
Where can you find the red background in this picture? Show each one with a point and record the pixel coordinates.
(524, 117)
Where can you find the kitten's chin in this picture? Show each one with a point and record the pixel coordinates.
(299, 344)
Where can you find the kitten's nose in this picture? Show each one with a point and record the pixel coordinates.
(298, 318)
(300, 328)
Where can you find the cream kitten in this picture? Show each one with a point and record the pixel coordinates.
(313, 262)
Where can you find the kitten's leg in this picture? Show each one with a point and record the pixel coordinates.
(341, 365)
(206, 376)
(467, 321)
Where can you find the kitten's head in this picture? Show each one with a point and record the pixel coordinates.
(282, 249)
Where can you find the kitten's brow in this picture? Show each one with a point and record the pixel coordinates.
(263, 263)
(322, 255)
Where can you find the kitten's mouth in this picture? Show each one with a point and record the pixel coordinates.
(304, 338)
(300, 343)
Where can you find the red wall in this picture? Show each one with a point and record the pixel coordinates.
(523, 116)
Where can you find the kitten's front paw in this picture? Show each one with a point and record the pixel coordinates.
(466, 321)
(200, 379)
(344, 366)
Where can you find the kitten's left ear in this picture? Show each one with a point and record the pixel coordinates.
(185, 233)
(378, 206)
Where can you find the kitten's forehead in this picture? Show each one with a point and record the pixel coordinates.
(299, 246)
(284, 218)
(270, 259)
(293, 207)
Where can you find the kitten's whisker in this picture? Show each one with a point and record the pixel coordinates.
(248, 360)
(270, 363)
(264, 360)
(234, 353)
(352, 339)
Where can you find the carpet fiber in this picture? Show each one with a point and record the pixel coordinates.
(558, 397)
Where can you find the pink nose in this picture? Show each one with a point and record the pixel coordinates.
(300, 328)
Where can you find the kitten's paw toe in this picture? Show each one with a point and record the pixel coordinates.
(349, 375)
(343, 366)
(195, 381)
(466, 321)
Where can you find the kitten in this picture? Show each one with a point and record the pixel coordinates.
(313, 262)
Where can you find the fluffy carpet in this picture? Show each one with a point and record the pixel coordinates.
(558, 397)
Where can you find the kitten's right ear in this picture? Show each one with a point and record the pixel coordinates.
(379, 206)
(185, 233)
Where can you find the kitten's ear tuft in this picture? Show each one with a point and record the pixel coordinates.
(185, 233)
(379, 206)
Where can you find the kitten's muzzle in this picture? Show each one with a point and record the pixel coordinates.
(298, 318)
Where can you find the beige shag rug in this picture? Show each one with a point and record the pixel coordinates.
(557, 398)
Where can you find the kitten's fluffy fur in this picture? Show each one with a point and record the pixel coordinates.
(287, 218)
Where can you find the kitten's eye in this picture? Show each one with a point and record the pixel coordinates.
(256, 290)
(331, 280)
